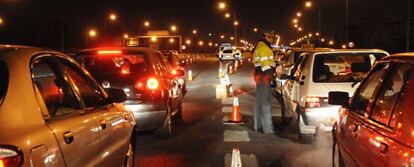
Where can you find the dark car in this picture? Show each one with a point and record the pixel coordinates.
(171, 58)
(376, 126)
(153, 91)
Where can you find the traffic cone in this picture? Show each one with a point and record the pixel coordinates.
(190, 75)
(235, 117)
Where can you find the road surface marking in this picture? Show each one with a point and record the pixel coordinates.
(227, 101)
(236, 136)
(247, 160)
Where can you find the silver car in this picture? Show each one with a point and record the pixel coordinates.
(53, 113)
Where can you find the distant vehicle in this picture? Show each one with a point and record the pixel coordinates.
(315, 73)
(237, 54)
(153, 91)
(375, 126)
(225, 52)
(53, 113)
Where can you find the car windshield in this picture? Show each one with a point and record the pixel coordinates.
(113, 64)
(343, 67)
(4, 79)
(227, 51)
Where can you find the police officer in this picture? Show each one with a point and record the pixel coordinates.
(263, 57)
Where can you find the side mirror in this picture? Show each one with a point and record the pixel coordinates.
(116, 95)
(338, 98)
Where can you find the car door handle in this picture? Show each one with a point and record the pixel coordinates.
(103, 124)
(68, 137)
(354, 129)
(383, 148)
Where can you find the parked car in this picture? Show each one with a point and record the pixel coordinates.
(153, 91)
(305, 92)
(53, 113)
(375, 127)
(225, 52)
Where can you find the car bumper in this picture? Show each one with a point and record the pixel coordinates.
(321, 118)
(147, 116)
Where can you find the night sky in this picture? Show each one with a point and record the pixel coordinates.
(46, 22)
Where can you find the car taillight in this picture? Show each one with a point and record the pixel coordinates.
(109, 52)
(10, 156)
(312, 102)
(152, 84)
(139, 85)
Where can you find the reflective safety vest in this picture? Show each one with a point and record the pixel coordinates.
(263, 56)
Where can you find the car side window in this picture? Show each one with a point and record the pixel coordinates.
(364, 96)
(88, 90)
(57, 95)
(389, 94)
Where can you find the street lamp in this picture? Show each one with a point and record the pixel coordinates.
(194, 31)
(172, 40)
(188, 42)
(295, 21)
(236, 23)
(308, 4)
(232, 38)
(331, 42)
(173, 28)
(154, 39)
(222, 36)
(296, 26)
(1, 21)
(299, 14)
(222, 5)
(227, 15)
(201, 43)
(126, 36)
(255, 29)
(300, 29)
(210, 34)
(147, 23)
(112, 17)
(92, 33)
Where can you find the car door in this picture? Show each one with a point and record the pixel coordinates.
(111, 120)
(76, 132)
(292, 86)
(354, 126)
(171, 83)
(377, 136)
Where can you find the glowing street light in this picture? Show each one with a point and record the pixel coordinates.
(331, 42)
(173, 28)
(308, 4)
(343, 46)
(188, 42)
(323, 40)
(222, 36)
(1, 21)
(300, 29)
(295, 21)
(194, 31)
(201, 43)
(227, 15)
(317, 34)
(232, 38)
(147, 23)
(296, 26)
(236, 23)
(255, 29)
(210, 34)
(299, 14)
(126, 36)
(172, 40)
(310, 35)
(113, 17)
(210, 44)
(92, 33)
(222, 5)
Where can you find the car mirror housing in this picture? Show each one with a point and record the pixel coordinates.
(338, 98)
(116, 95)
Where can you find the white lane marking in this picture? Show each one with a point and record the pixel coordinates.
(236, 136)
(236, 159)
(227, 109)
(247, 160)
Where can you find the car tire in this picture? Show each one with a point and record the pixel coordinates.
(130, 156)
(166, 130)
(337, 159)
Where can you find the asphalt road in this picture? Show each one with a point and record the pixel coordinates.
(201, 138)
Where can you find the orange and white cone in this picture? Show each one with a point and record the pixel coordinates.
(235, 117)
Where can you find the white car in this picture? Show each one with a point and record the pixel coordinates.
(314, 75)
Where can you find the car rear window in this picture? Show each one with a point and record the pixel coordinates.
(113, 64)
(343, 67)
(4, 80)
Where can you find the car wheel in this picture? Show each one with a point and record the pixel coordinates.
(129, 159)
(166, 130)
(337, 160)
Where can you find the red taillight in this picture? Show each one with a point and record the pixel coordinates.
(152, 84)
(109, 52)
(312, 102)
(10, 157)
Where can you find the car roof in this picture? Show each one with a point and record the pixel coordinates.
(347, 51)
(24, 52)
(408, 56)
